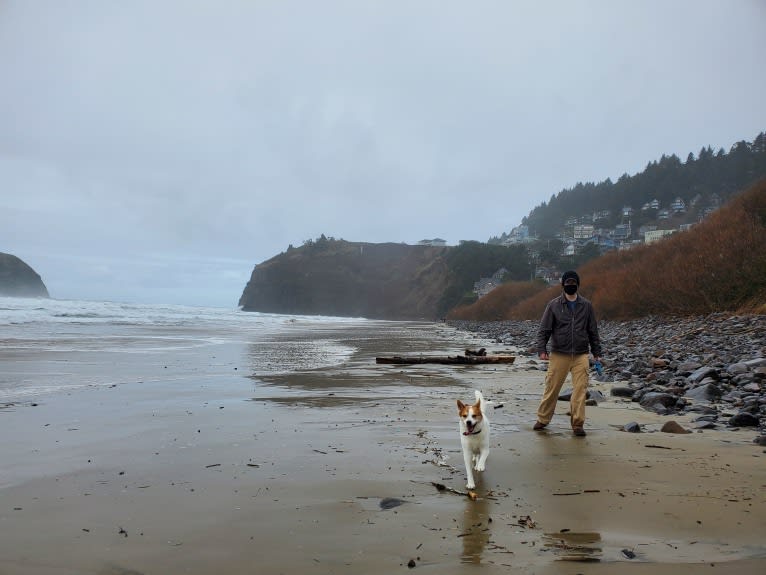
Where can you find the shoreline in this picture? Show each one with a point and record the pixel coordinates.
(236, 475)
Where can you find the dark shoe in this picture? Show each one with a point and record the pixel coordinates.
(538, 426)
(579, 431)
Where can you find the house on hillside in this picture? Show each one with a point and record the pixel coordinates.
(601, 215)
(603, 242)
(622, 232)
(583, 231)
(657, 235)
(643, 229)
(653, 205)
(678, 206)
(433, 242)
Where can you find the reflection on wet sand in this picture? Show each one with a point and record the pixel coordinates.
(475, 528)
(571, 546)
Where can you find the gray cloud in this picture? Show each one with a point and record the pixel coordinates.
(211, 135)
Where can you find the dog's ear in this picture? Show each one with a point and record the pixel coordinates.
(460, 405)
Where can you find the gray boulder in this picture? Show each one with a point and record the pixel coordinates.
(654, 400)
(705, 392)
(744, 419)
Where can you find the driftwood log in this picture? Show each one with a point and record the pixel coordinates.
(450, 360)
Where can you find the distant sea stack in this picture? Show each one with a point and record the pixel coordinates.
(17, 279)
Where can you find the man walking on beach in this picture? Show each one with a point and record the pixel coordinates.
(570, 323)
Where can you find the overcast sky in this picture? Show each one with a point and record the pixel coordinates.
(155, 151)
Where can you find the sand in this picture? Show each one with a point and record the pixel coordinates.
(205, 475)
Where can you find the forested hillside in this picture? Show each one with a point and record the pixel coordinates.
(719, 265)
(695, 180)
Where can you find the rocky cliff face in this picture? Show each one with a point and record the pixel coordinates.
(17, 279)
(351, 279)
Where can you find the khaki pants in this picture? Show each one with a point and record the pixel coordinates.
(559, 366)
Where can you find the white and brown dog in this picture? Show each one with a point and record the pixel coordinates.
(474, 436)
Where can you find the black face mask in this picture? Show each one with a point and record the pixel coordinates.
(570, 289)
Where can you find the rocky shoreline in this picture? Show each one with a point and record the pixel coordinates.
(713, 365)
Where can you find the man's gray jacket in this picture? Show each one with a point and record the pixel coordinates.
(570, 332)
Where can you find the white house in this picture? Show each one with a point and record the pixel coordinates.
(657, 235)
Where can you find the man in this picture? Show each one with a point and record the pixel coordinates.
(570, 323)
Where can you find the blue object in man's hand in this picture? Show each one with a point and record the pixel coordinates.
(599, 368)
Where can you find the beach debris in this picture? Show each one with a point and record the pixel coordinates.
(122, 532)
(390, 502)
(527, 521)
(673, 427)
(411, 563)
(628, 553)
(212, 465)
(472, 495)
(478, 352)
(447, 360)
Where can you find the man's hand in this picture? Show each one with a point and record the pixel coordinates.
(544, 356)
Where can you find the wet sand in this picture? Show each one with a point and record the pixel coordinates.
(286, 475)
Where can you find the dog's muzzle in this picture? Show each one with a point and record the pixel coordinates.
(472, 430)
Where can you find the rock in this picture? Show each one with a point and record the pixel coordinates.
(706, 418)
(673, 427)
(744, 419)
(760, 440)
(706, 392)
(702, 409)
(654, 400)
(687, 367)
(390, 502)
(594, 394)
(632, 427)
(736, 368)
(17, 279)
(621, 392)
(702, 373)
(704, 425)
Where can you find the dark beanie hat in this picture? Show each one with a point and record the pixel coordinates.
(570, 275)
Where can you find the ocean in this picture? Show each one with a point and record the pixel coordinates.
(50, 346)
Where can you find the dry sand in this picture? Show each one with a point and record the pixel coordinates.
(238, 477)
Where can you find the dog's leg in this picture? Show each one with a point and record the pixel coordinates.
(481, 461)
(468, 458)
